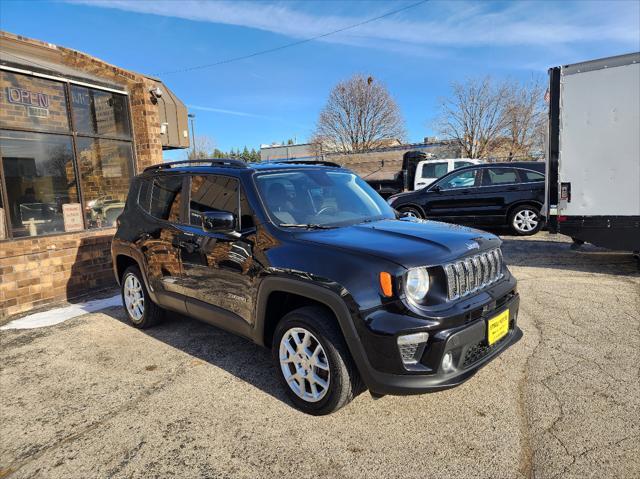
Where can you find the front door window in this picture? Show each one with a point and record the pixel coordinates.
(463, 179)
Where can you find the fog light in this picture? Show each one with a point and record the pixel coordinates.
(447, 362)
(411, 347)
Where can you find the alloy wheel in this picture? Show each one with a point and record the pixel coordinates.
(133, 297)
(526, 221)
(410, 213)
(304, 364)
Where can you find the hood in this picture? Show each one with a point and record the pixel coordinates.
(407, 242)
(405, 196)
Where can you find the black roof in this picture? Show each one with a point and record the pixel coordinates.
(538, 166)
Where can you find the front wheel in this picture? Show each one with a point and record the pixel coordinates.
(525, 220)
(314, 364)
(411, 212)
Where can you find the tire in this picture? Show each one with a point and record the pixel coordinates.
(411, 211)
(525, 220)
(146, 313)
(314, 326)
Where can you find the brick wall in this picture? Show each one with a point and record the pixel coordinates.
(38, 271)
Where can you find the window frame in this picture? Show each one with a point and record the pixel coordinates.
(74, 135)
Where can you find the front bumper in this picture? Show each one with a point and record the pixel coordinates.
(464, 335)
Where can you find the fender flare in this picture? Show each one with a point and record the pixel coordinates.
(323, 295)
(138, 258)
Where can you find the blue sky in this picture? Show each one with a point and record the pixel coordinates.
(417, 53)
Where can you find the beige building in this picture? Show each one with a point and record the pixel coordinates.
(73, 132)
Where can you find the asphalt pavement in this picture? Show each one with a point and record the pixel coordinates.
(94, 397)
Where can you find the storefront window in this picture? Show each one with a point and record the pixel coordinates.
(40, 155)
(40, 180)
(97, 112)
(105, 173)
(32, 103)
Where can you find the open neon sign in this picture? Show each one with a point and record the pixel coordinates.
(27, 98)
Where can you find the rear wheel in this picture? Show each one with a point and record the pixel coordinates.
(142, 312)
(314, 364)
(525, 220)
(411, 212)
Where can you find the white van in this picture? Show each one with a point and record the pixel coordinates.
(429, 171)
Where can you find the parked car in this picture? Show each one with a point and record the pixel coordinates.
(306, 259)
(493, 194)
(417, 171)
(429, 171)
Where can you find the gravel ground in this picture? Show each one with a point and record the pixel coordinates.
(93, 397)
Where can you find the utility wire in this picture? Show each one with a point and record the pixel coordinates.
(294, 44)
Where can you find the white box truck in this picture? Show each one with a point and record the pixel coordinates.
(593, 152)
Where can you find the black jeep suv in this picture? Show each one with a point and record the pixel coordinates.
(306, 259)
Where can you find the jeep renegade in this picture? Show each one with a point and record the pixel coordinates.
(307, 259)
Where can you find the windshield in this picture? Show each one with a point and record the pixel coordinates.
(316, 197)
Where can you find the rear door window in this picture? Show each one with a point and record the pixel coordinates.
(166, 193)
(499, 176)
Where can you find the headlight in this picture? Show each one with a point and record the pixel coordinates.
(417, 284)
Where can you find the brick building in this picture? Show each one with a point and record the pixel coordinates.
(73, 131)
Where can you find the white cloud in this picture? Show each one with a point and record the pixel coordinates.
(434, 24)
(244, 114)
(226, 112)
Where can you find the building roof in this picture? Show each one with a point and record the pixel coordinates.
(44, 59)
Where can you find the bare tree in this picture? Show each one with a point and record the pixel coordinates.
(473, 115)
(524, 120)
(360, 115)
(202, 148)
(502, 119)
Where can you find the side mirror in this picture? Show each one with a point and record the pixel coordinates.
(218, 222)
(436, 188)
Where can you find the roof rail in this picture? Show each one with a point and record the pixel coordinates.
(224, 162)
(308, 162)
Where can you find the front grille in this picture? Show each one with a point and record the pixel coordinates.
(473, 273)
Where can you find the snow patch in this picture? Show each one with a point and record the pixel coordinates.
(60, 315)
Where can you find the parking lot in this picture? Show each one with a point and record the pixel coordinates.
(94, 397)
